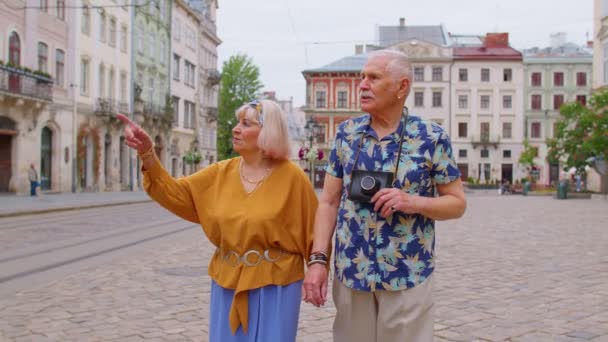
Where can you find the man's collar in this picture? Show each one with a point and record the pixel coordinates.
(364, 124)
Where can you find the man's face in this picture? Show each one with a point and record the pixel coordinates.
(378, 90)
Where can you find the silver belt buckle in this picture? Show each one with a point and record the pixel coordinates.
(245, 258)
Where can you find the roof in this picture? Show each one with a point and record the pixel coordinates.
(391, 35)
(460, 40)
(567, 50)
(353, 63)
(487, 53)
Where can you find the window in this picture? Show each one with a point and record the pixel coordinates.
(84, 76)
(113, 32)
(558, 101)
(139, 39)
(536, 79)
(536, 101)
(535, 130)
(418, 74)
(151, 89)
(462, 130)
(463, 101)
(437, 74)
(59, 67)
(102, 81)
(342, 99)
(61, 9)
(463, 75)
(582, 99)
(176, 59)
(484, 131)
(320, 99)
(151, 46)
(484, 153)
(462, 153)
(162, 53)
(581, 79)
(123, 87)
(44, 6)
(85, 24)
(175, 105)
(111, 78)
(14, 49)
(188, 114)
(507, 130)
(485, 102)
(507, 75)
(418, 99)
(43, 56)
(507, 102)
(177, 30)
(102, 27)
(436, 99)
(123, 38)
(506, 153)
(485, 75)
(189, 71)
(558, 79)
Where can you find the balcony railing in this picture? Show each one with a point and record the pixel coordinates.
(18, 82)
(213, 76)
(485, 140)
(106, 106)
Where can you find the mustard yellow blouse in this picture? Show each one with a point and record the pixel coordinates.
(279, 215)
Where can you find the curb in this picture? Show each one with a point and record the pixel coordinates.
(59, 209)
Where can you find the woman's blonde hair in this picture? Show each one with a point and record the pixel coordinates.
(274, 135)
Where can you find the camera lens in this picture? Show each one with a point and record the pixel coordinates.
(369, 186)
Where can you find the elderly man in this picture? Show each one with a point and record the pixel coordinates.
(385, 238)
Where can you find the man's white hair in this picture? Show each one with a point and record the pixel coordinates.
(399, 64)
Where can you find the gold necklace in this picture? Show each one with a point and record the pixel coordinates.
(249, 180)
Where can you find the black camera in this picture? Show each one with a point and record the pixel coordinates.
(364, 184)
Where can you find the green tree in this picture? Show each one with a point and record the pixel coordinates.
(581, 133)
(526, 158)
(240, 84)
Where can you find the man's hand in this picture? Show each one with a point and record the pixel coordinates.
(389, 200)
(314, 288)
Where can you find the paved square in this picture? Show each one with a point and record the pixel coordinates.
(512, 269)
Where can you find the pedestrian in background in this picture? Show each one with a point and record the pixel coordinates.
(390, 176)
(32, 175)
(258, 210)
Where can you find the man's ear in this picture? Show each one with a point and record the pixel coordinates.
(404, 87)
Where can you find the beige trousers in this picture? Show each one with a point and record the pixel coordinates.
(384, 316)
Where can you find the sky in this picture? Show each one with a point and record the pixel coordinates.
(285, 37)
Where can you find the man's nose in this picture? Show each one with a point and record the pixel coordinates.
(364, 85)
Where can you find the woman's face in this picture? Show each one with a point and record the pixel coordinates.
(245, 133)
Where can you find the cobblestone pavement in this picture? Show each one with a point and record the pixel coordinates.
(525, 269)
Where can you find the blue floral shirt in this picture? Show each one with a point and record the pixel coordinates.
(373, 253)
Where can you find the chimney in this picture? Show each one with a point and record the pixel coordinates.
(358, 49)
(401, 22)
(494, 40)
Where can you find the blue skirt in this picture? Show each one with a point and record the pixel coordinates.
(273, 314)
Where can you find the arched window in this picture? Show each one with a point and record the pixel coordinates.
(43, 56)
(14, 55)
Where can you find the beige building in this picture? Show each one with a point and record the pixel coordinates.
(35, 111)
(184, 89)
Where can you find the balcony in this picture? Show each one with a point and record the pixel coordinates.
(20, 83)
(213, 76)
(158, 114)
(485, 140)
(107, 106)
(211, 113)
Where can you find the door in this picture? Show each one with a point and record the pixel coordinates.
(14, 57)
(507, 172)
(46, 158)
(464, 171)
(5, 161)
(107, 158)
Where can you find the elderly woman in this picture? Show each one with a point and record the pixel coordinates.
(258, 210)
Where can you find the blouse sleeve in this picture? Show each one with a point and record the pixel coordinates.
(173, 194)
(304, 214)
